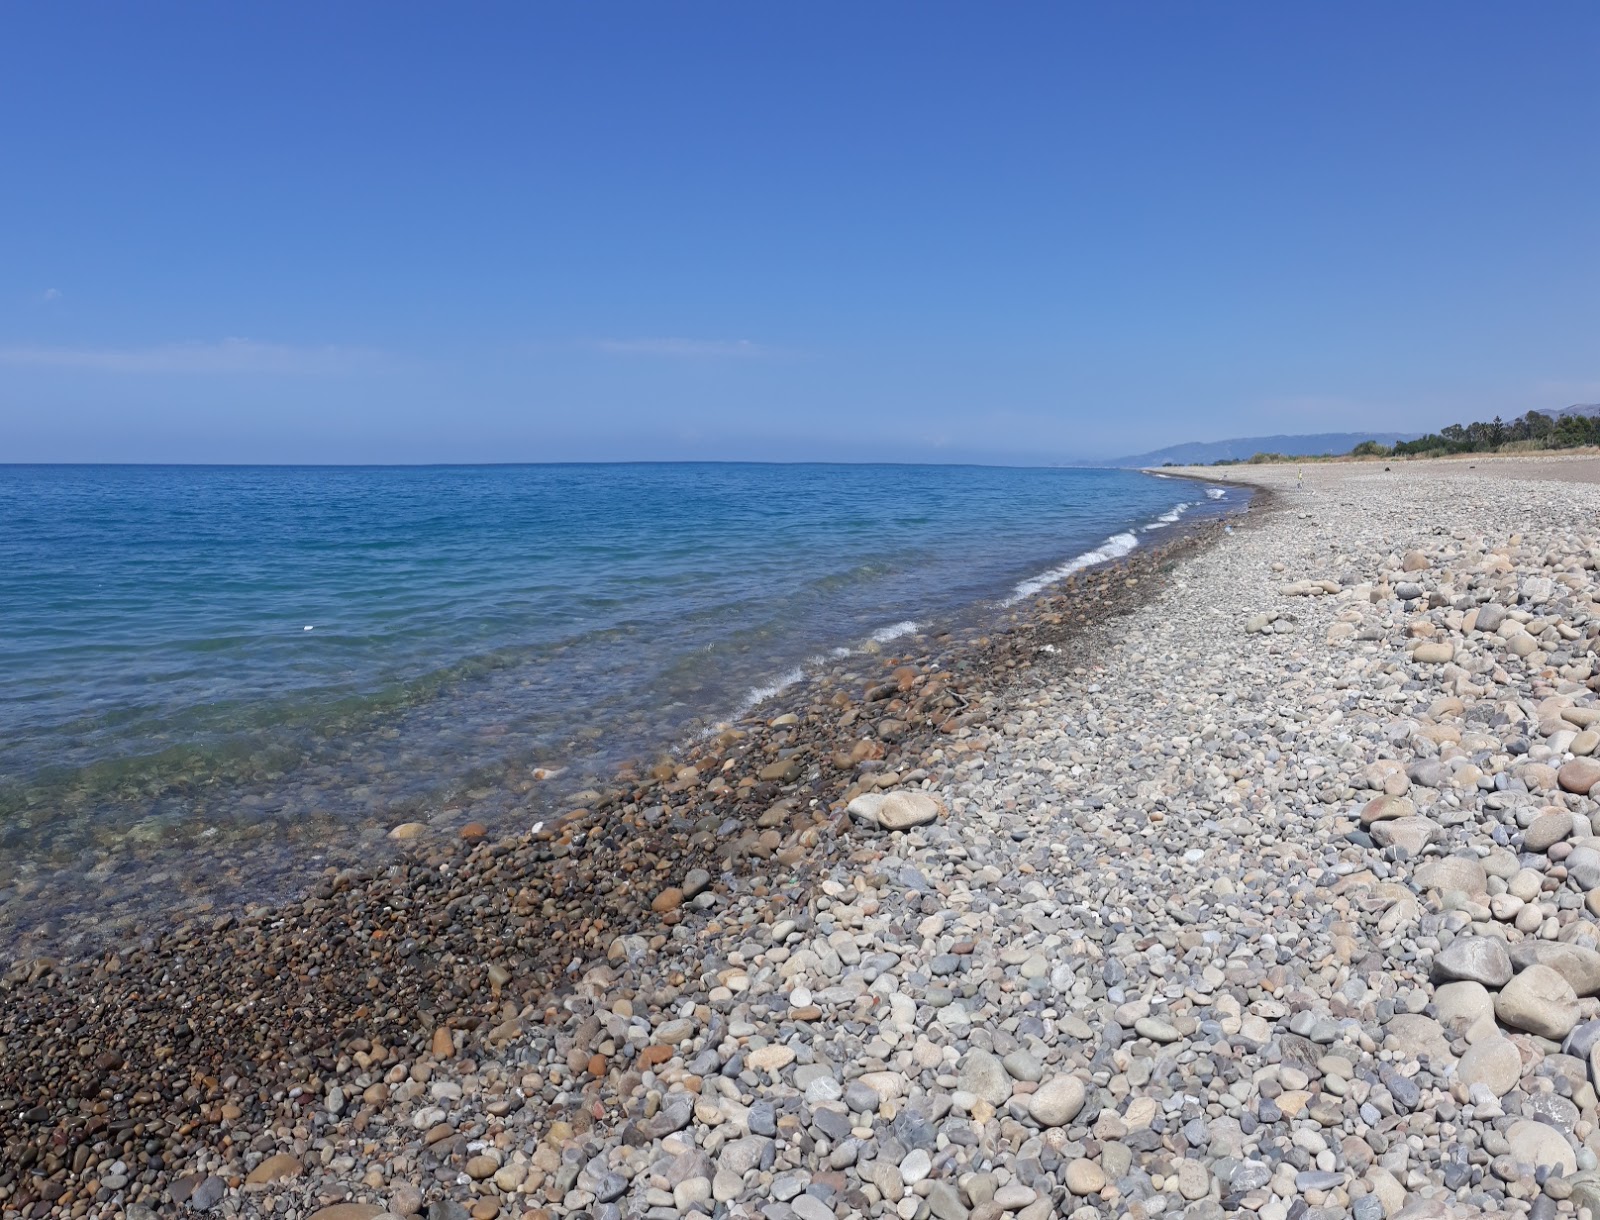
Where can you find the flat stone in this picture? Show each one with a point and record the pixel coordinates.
(1156, 1030)
(1461, 1004)
(1386, 809)
(274, 1169)
(1057, 1102)
(208, 1194)
(696, 882)
(1583, 866)
(1194, 1180)
(742, 1155)
(773, 1057)
(1014, 1196)
(1540, 1001)
(1479, 959)
(861, 1097)
(1579, 775)
(915, 1166)
(1085, 1178)
(809, 1207)
(1535, 1143)
(1546, 830)
(1020, 1065)
(1575, 963)
(944, 1203)
(670, 1033)
(984, 1075)
(1416, 1035)
(1493, 1062)
(1451, 873)
(904, 810)
(1411, 834)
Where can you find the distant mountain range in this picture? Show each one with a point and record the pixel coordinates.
(1201, 453)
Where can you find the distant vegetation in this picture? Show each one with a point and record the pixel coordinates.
(1570, 429)
(1535, 430)
(1264, 459)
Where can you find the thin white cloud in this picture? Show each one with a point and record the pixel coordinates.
(227, 356)
(683, 349)
(50, 295)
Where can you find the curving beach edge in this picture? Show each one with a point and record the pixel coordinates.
(1255, 872)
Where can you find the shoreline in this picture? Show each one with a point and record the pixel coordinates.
(231, 863)
(765, 794)
(1273, 889)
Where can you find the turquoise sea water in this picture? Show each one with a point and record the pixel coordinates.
(183, 644)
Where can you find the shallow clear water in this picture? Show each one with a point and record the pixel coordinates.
(190, 644)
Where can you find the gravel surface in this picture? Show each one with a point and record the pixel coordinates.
(1266, 884)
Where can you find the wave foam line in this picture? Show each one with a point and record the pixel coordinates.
(1167, 518)
(1216, 493)
(894, 631)
(1114, 547)
(760, 694)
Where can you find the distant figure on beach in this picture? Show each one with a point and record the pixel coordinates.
(1300, 477)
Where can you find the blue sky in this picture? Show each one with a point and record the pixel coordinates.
(404, 232)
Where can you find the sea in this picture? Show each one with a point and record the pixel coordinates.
(190, 652)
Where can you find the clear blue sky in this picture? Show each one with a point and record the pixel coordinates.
(406, 232)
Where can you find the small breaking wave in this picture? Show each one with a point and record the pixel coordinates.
(1114, 547)
(894, 631)
(1216, 493)
(1168, 518)
(760, 694)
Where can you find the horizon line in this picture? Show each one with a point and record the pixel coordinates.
(1076, 465)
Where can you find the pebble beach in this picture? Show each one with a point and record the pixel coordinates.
(1256, 874)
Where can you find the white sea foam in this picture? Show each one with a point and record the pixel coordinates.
(760, 694)
(894, 631)
(1167, 518)
(1114, 547)
(1216, 493)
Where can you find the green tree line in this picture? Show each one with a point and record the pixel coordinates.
(1534, 430)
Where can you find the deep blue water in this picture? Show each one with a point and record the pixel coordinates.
(187, 643)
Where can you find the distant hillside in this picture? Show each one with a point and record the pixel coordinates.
(1200, 453)
(1588, 409)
